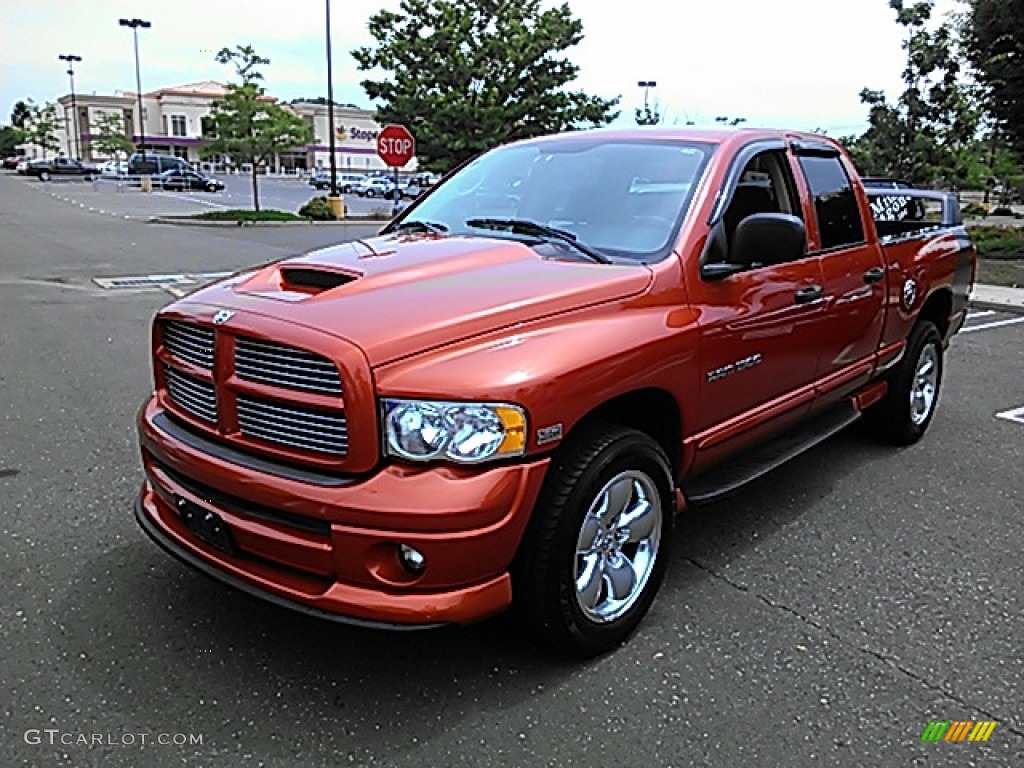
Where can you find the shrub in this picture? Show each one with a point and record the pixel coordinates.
(975, 210)
(240, 215)
(1002, 211)
(998, 242)
(317, 209)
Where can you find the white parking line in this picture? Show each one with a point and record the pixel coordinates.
(1017, 414)
(996, 324)
(981, 313)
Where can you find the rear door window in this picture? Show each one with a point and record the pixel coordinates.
(835, 205)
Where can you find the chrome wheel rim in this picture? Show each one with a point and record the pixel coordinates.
(617, 546)
(925, 386)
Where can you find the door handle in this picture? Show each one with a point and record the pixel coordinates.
(807, 295)
(873, 275)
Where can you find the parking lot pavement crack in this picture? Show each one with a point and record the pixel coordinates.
(890, 661)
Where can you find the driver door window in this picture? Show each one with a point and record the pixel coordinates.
(766, 186)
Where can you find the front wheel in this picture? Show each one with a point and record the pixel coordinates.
(904, 415)
(596, 549)
(44, 176)
(370, 193)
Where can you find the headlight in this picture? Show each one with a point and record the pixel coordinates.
(422, 430)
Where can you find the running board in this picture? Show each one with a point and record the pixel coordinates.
(733, 473)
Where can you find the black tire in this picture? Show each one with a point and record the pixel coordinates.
(903, 416)
(550, 566)
(44, 175)
(370, 193)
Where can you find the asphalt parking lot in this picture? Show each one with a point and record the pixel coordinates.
(823, 616)
(108, 197)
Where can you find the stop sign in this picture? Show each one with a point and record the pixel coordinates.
(395, 145)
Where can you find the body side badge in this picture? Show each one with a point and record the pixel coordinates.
(909, 292)
(549, 434)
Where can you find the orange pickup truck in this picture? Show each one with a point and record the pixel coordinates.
(504, 399)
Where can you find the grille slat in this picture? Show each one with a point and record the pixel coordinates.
(274, 435)
(190, 343)
(296, 424)
(293, 360)
(281, 378)
(285, 366)
(191, 395)
(321, 432)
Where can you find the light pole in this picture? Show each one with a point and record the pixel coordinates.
(135, 24)
(646, 117)
(646, 85)
(71, 58)
(330, 107)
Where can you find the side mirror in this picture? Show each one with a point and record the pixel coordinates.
(714, 263)
(768, 238)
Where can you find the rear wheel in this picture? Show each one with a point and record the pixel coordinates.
(904, 415)
(596, 549)
(44, 176)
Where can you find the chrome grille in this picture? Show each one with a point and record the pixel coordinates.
(191, 343)
(191, 395)
(284, 366)
(293, 426)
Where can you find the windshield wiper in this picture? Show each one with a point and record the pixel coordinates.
(422, 226)
(528, 227)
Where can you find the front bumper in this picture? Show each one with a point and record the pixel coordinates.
(331, 548)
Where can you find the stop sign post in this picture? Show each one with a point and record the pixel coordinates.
(396, 147)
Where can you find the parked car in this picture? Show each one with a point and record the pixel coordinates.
(321, 179)
(12, 162)
(505, 397)
(416, 185)
(60, 166)
(114, 168)
(185, 180)
(154, 163)
(376, 186)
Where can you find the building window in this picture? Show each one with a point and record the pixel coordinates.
(181, 152)
(177, 125)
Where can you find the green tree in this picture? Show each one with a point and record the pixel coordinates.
(10, 139)
(929, 133)
(41, 126)
(466, 75)
(20, 113)
(993, 35)
(111, 135)
(249, 126)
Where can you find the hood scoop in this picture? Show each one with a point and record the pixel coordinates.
(295, 281)
(313, 280)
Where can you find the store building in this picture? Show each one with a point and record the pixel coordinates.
(176, 123)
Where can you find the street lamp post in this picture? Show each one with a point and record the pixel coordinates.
(646, 85)
(330, 107)
(71, 58)
(135, 24)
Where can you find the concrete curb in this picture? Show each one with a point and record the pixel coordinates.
(192, 222)
(997, 306)
(997, 297)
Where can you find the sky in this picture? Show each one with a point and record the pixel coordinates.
(778, 63)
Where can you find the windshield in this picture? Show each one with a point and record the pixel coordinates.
(625, 199)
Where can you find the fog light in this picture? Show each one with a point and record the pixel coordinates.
(412, 559)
